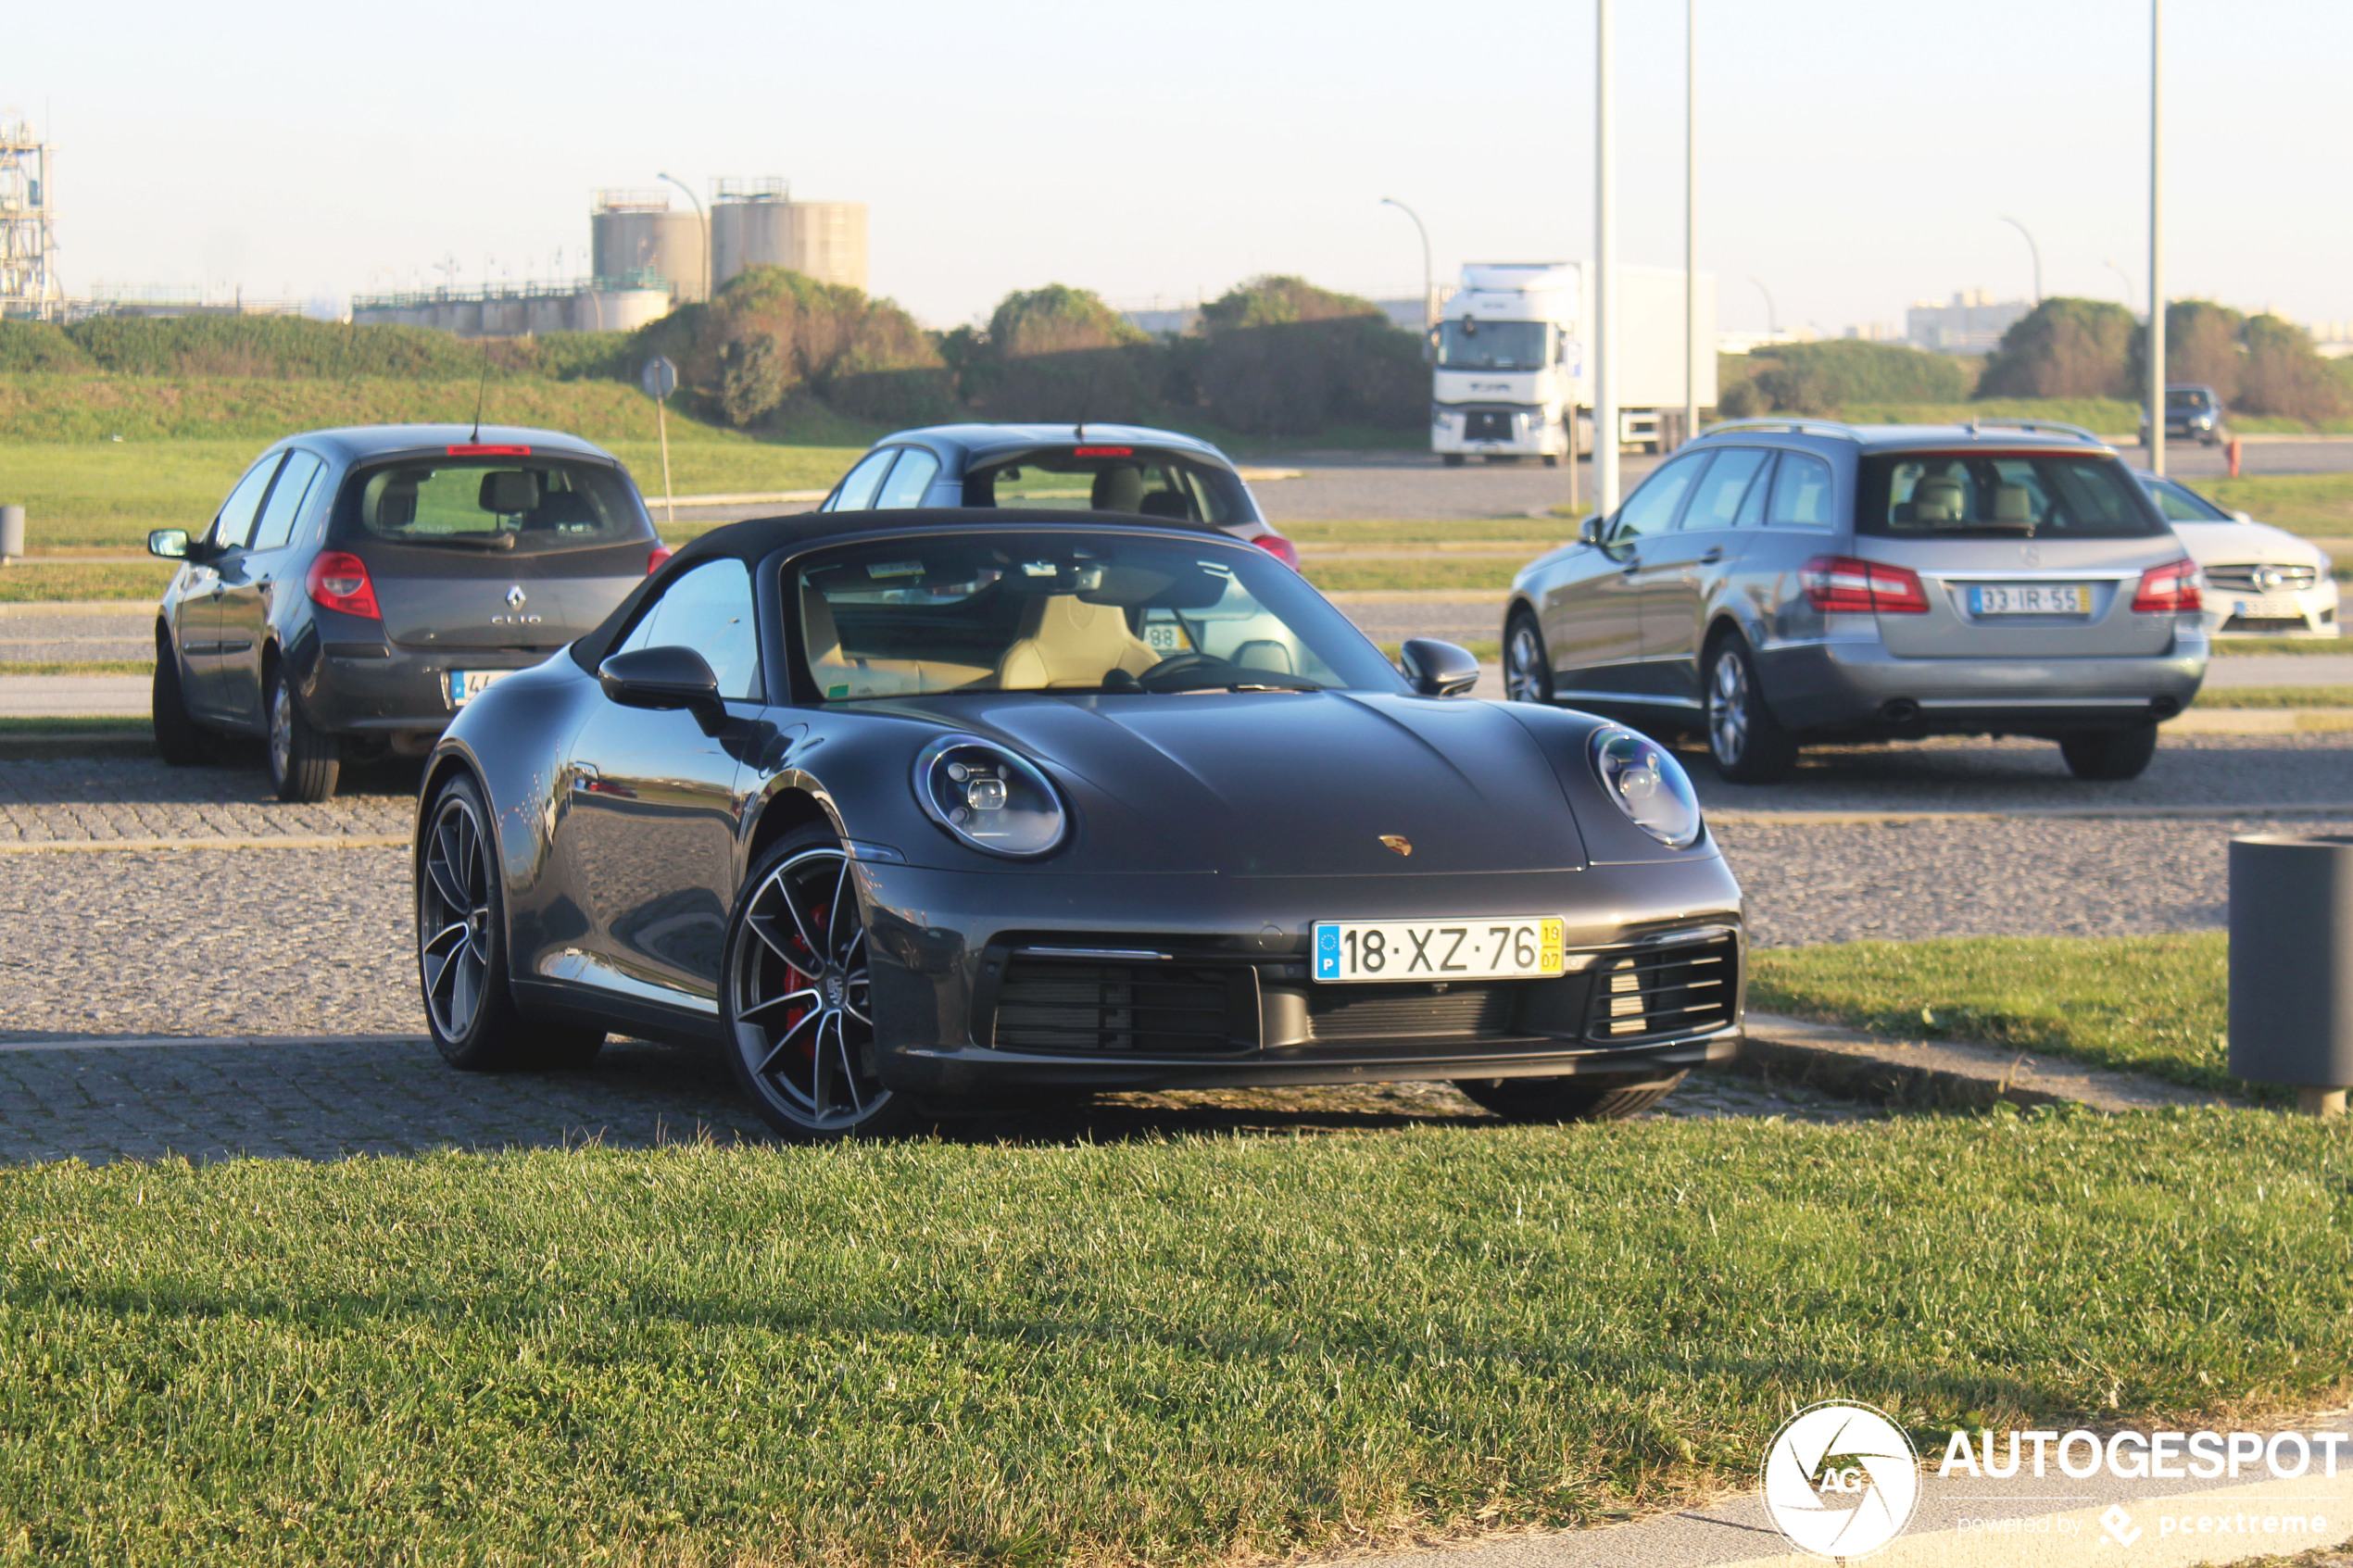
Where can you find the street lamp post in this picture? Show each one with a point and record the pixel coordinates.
(1691, 218)
(2122, 277)
(704, 219)
(2032, 249)
(2157, 237)
(1772, 316)
(1605, 264)
(1429, 289)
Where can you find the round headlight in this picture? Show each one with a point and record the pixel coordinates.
(988, 797)
(1643, 780)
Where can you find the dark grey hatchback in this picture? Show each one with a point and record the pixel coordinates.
(359, 585)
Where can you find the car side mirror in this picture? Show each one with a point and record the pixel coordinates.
(171, 543)
(1439, 669)
(1590, 531)
(663, 677)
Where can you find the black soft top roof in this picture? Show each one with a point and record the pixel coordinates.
(755, 539)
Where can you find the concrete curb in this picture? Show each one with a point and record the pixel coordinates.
(43, 745)
(226, 841)
(1943, 1074)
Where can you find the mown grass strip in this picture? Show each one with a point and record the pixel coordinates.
(2227, 647)
(2317, 504)
(40, 582)
(2146, 1004)
(1484, 574)
(78, 667)
(1172, 1353)
(2274, 696)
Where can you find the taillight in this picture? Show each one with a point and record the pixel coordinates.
(661, 553)
(1279, 548)
(1848, 585)
(337, 580)
(2170, 589)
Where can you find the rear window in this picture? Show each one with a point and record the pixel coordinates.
(521, 503)
(1997, 494)
(2182, 504)
(1113, 477)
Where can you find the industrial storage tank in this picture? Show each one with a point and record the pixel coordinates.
(751, 225)
(636, 233)
(829, 241)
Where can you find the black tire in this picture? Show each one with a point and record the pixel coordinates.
(1527, 668)
(1567, 1099)
(800, 1040)
(2110, 755)
(304, 764)
(179, 740)
(1747, 743)
(461, 950)
(1552, 460)
(1454, 459)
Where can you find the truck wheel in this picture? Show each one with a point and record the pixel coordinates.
(1451, 459)
(1552, 460)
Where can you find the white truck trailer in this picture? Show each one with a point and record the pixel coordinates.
(1515, 358)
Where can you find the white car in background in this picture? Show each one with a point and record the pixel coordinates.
(2260, 581)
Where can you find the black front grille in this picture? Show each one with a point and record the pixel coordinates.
(1687, 988)
(1150, 1008)
(2264, 623)
(2248, 578)
(1487, 424)
(1378, 1012)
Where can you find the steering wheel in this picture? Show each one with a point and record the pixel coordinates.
(1178, 666)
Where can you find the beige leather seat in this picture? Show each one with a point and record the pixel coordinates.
(2013, 503)
(840, 675)
(1938, 497)
(1064, 641)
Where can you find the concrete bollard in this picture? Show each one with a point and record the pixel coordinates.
(2292, 966)
(12, 532)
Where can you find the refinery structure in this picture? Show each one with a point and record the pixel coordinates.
(29, 288)
(645, 259)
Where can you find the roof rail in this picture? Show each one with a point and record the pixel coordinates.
(2038, 425)
(1799, 425)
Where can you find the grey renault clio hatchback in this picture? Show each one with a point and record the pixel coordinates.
(1784, 581)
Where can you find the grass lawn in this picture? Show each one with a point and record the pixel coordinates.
(1529, 533)
(2275, 697)
(29, 581)
(79, 666)
(2148, 1004)
(2316, 504)
(1167, 1352)
(2225, 646)
(1433, 572)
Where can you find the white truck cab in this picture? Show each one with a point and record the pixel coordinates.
(1512, 359)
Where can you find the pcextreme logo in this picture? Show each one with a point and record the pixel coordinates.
(1840, 1480)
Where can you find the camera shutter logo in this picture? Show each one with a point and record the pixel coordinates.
(1840, 1480)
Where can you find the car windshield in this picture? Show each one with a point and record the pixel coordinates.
(1072, 612)
(1470, 345)
(1113, 477)
(1987, 494)
(500, 502)
(2188, 398)
(2180, 504)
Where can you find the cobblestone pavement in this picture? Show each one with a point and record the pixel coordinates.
(314, 943)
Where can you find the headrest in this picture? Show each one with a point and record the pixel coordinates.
(1937, 498)
(819, 635)
(509, 490)
(2012, 503)
(1166, 503)
(1119, 489)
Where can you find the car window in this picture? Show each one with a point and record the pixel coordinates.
(278, 513)
(2180, 504)
(234, 525)
(710, 611)
(1473, 344)
(1988, 494)
(858, 489)
(1718, 500)
(1652, 508)
(908, 481)
(1752, 513)
(1113, 478)
(1112, 612)
(1801, 493)
(522, 503)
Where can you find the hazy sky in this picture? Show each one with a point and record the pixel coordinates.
(1855, 154)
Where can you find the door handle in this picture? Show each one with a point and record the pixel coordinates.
(1713, 556)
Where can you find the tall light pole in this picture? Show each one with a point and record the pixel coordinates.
(2122, 277)
(2157, 237)
(1691, 218)
(704, 219)
(1429, 290)
(2035, 251)
(1772, 316)
(1604, 264)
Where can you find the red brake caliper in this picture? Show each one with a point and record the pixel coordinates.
(799, 980)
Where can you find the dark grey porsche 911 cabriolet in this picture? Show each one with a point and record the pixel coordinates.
(914, 819)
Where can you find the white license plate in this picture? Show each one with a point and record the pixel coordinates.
(2031, 598)
(466, 684)
(1492, 948)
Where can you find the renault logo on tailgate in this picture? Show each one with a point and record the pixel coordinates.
(515, 595)
(515, 600)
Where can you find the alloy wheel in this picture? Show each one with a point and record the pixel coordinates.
(799, 995)
(1523, 665)
(453, 916)
(1727, 708)
(280, 731)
